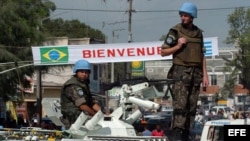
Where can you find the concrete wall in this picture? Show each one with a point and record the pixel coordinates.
(79, 41)
(54, 41)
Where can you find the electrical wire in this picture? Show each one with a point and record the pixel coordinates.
(2, 72)
(4, 46)
(13, 63)
(102, 10)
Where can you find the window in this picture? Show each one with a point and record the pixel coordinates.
(221, 55)
(218, 133)
(95, 72)
(209, 57)
(215, 133)
(210, 133)
(241, 98)
(213, 79)
(227, 77)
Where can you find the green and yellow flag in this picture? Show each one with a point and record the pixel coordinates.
(54, 55)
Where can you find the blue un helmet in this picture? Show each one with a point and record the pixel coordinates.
(189, 8)
(82, 65)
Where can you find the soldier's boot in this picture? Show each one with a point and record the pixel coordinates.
(177, 134)
(185, 135)
(180, 135)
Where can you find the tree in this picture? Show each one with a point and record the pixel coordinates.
(163, 37)
(20, 20)
(228, 89)
(21, 27)
(239, 34)
(71, 29)
(18, 31)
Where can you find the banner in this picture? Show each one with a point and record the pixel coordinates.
(107, 53)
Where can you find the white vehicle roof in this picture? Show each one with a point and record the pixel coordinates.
(222, 122)
(152, 116)
(221, 106)
(167, 108)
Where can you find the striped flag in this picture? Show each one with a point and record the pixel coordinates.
(211, 45)
(208, 46)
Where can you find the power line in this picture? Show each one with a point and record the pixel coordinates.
(13, 63)
(2, 72)
(117, 22)
(18, 47)
(94, 10)
(145, 11)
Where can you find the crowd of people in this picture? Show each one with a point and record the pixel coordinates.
(157, 131)
(203, 115)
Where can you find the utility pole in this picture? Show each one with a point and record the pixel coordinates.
(113, 33)
(39, 83)
(39, 94)
(128, 64)
(39, 75)
(112, 64)
(113, 40)
(38, 72)
(130, 21)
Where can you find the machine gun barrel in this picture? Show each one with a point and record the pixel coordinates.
(138, 80)
(162, 81)
(144, 103)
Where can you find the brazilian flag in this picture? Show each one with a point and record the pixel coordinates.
(54, 55)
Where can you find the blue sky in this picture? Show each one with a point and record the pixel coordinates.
(152, 19)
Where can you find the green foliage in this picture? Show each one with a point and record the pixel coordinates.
(71, 29)
(239, 22)
(23, 24)
(163, 37)
(19, 22)
(228, 89)
(239, 34)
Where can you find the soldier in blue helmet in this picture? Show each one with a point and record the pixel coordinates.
(76, 96)
(185, 42)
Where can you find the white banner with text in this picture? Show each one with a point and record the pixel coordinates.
(107, 53)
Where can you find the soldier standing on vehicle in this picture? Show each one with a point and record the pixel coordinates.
(185, 42)
(76, 96)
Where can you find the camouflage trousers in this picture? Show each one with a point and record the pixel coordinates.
(69, 118)
(186, 90)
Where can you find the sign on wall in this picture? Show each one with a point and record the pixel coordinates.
(137, 68)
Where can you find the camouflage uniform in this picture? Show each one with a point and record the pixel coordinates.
(187, 73)
(74, 94)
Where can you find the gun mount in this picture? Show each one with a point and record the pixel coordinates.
(117, 124)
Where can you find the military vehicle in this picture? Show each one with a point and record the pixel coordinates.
(115, 126)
